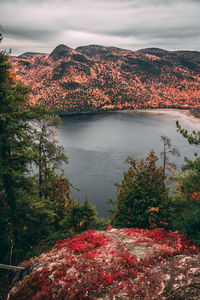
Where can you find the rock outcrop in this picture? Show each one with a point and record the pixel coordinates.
(115, 264)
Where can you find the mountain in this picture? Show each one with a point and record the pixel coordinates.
(113, 264)
(98, 78)
(61, 51)
(29, 54)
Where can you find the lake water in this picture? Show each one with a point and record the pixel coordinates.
(98, 144)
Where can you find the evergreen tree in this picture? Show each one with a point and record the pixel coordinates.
(58, 191)
(80, 217)
(50, 156)
(16, 153)
(142, 197)
(186, 200)
(29, 211)
(83, 216)
(193, 138)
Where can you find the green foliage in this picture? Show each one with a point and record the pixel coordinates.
(193, 138)
(142, 197)
(191, 224)
(35, 210)
(49, 155)
(82, 216)
(31, 206)
(16, 155)
(186, 201)
(46, 243)
(58, 192)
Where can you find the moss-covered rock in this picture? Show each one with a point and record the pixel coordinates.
(115, 264)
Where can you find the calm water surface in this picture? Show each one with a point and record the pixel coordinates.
(98, 144)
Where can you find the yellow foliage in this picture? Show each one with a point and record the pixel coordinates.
(81, 223)
(164, 222)
(153, 209)
(68, 201)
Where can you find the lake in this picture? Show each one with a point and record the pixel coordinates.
(98, 144)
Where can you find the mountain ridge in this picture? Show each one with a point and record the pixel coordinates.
(30, 54)
(99, 78)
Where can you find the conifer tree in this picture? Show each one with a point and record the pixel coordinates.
(80, 217)
(21, 144)
(50, 156)
(15, 151)
(193, 138)
(142, 197)
(186, 200)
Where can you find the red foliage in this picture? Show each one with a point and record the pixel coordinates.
(86, 241)
(196, 197)
(95, 264)
(101, 83)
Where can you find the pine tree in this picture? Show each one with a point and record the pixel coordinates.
(21, 145)
(15, 152)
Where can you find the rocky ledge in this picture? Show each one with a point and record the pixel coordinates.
(114, 264)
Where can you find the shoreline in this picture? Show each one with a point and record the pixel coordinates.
(187, 111)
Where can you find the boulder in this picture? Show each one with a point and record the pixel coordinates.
(115, 264)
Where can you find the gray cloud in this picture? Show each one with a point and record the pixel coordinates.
(29, 33)
(40, 25)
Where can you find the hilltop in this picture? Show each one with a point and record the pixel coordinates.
(98, 78)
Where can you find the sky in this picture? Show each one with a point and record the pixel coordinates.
(41, 25)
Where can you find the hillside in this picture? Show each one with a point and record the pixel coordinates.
(29, 54)
(96, 78)
(114, 264)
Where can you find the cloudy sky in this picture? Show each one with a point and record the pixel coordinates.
(40, 25)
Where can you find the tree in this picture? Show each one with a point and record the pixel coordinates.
(83, 216)
(58, 191)
(15, 153)
(186, 200)
(25, 218)
(193, 138)
(80, 217)
(50, 156)
(168, 150)
(142, 197)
